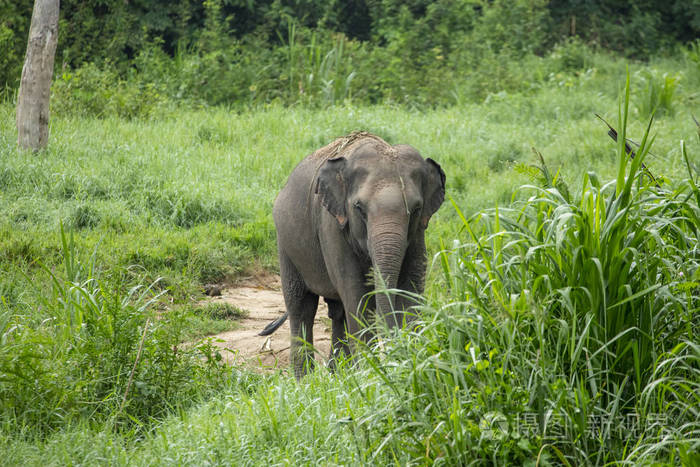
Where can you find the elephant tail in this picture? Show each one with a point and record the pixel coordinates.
(273, 326)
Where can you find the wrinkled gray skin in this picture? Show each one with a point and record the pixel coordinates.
(355, 206)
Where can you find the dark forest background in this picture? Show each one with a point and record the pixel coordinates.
(241, 52)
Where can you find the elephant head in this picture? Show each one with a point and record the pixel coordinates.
(382, 198)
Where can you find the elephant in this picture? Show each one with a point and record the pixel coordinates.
(351, 219)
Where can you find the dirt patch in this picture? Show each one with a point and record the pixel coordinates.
(261, 297)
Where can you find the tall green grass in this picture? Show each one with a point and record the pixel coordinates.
(320, 72)
(570, 312)
(99, 353)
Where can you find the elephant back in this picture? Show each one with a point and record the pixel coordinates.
(344, 146)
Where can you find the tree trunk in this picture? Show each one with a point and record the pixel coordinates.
(35, 86)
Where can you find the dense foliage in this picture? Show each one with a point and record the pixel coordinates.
(239, 52)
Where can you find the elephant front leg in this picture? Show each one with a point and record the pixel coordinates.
(359, 308)
(339, 343)
(301, 305)
(349, 277)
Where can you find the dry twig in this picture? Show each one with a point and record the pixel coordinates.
(628, 149)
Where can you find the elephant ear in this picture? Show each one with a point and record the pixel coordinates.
(331, 189)
(435, 191)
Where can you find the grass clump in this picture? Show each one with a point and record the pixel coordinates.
(221, 311)
(211, 318)
(98, 353)
(566, 314)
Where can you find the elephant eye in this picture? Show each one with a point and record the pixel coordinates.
(360, 208)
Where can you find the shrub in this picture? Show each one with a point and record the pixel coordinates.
(572, 55)
(99, 352)
(101, 92)
(658, 93)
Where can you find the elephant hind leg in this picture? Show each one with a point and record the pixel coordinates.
(339, 343)
(301, 305)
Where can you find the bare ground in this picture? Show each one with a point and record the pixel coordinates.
(261, 297)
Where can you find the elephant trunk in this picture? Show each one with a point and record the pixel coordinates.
(387, 248)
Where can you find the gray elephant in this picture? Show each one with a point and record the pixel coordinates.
(355, 206)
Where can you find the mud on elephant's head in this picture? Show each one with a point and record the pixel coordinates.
(383, 197)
